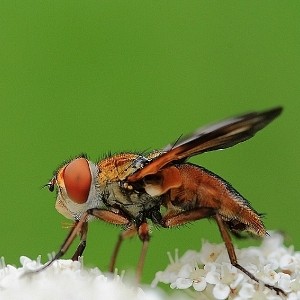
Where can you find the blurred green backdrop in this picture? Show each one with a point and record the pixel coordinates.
(99, 76)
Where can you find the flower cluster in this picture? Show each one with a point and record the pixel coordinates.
(208, 274)
(65, 279)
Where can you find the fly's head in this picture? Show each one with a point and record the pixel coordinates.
(76, 187)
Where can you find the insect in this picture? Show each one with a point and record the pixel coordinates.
(130, 189)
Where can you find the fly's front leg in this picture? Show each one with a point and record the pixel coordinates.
(83, 235)
(76, 229)
(81, 228)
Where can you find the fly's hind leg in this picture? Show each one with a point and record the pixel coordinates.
(232, 256)
(176, 219)
(183, 217)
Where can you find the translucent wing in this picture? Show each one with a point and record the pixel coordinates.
(220, 135)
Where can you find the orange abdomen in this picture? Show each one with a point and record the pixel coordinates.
(202, 188)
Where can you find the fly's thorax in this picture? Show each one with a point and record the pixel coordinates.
(133, 203)
(118, 167)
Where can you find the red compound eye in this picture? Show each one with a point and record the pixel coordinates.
(77, 178)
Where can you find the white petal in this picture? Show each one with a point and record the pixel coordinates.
(293, 296)
(213, 277)
(221, 291)
(190, 256)
(183, 283)
(284, 282)
(287, 262)
(185, 271)
(247, 291)
(210, 267)
(25, 260)
(272, 242)
(239, 278)
(269, 276)
(295, 284)
(200, 285)
(210, 252)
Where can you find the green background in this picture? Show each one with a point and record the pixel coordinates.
(100, 76)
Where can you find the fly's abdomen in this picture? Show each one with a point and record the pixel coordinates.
(202, 188)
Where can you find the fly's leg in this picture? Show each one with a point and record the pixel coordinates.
(174, 219)
(81, 228)
(232, 256)
(128, 233)
(80, 248)
(118, 219)
(142, 231)
(144, 235)
(76, 229)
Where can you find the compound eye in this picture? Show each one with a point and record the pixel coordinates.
(77, 178)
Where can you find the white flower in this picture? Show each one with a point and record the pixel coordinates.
(171, 272)
(210, 272)
(211, 252)
(288, 262)
(207, 274)
(268, 275)
(65, 279)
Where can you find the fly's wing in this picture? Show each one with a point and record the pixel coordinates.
(220, 135)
